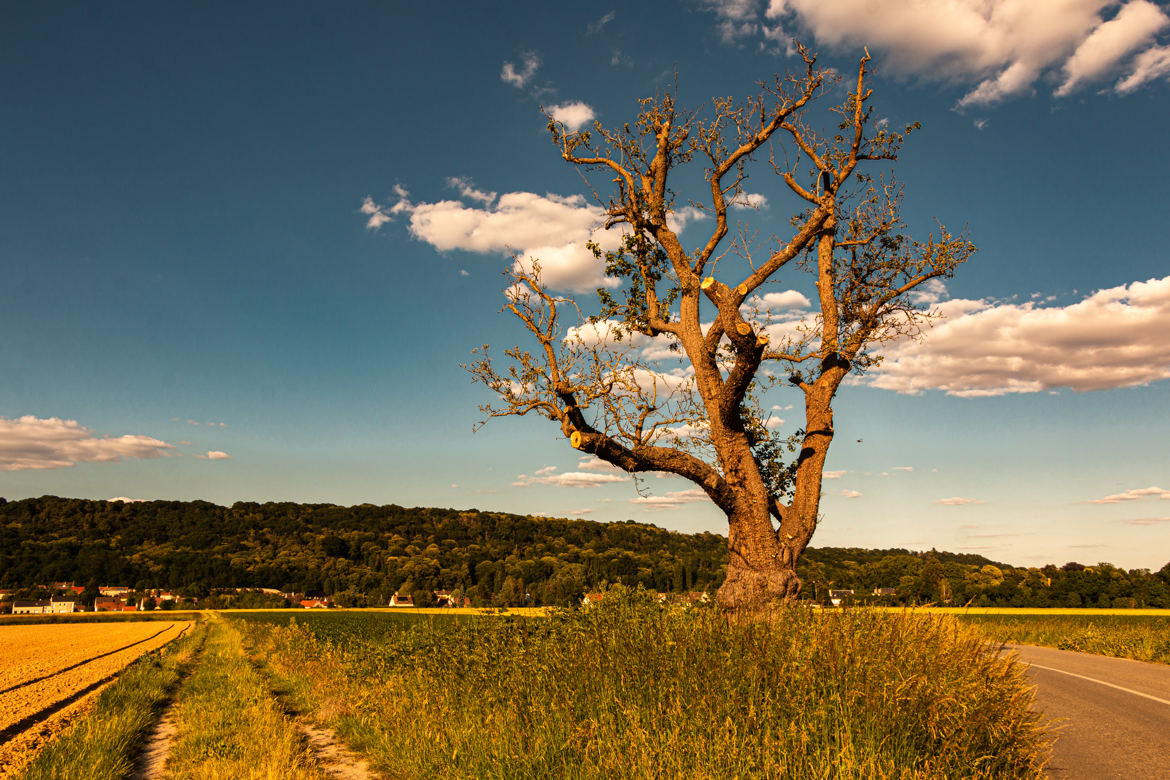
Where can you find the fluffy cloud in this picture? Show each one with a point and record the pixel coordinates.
(902, 468)
(467, 189)
(1113, 338)
(851, 493)
(1147, 520)
(1133, 495)
(749, 200)
(835, 474)
(573, 116)
(30, 442)
(1134, 27)
(520, 76)
(594, 463)
(551, 229)
(217, 455)
(1149, 65)
(957, 501)
(672, 500)
(1005, 47)
(778, 301)
(575, 479)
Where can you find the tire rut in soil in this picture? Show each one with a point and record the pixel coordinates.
(337, 760)
(91, 659)
(152, 757)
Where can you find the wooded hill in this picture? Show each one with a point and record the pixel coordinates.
(362, 554)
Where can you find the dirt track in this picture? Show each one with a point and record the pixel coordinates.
(48, 672)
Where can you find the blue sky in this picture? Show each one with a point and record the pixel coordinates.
(245, 248)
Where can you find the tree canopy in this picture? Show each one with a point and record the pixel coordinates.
(702, 303)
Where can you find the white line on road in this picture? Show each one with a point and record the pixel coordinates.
(1102, 682)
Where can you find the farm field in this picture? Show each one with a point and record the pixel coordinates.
(627, 689)
(48, 672)
(631, 689)
(1118, 634)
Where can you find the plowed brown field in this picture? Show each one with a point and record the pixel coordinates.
(48, 672)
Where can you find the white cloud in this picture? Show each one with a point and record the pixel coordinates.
(678, 219)
(579, 512)
(851, 493)
(1005, 46)
(1134, 27)
(550, 228)
(957, 501)
(574, 479)
(217, 455)
(1136, 494)
(1113, 338)
(672, 500)
(835, 474)
(749, 200)
(379, 216)
(126, 500)
(465, 187)
(32, 443)
(573, 116)
(902, 468)
(519, 77)
(599, 25)
(933, 291)
(777, 301)
(1149, 65)
(774, 422)
(594, 463)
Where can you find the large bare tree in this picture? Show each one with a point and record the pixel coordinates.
(592, 373)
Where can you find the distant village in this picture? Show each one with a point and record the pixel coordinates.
(68, 598)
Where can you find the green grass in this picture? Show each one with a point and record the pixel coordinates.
(105, 743)
(630, 689)
(1142, 638)
(229, 725)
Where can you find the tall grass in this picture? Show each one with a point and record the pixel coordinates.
(229, 726)
(631, 689)
(104, 744)
(1137, 637)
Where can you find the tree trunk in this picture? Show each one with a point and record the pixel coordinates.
(761, 572)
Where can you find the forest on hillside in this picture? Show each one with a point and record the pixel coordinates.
(361, 555)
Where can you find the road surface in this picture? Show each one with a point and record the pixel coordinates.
(1112, 714)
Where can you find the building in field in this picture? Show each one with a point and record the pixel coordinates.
(836, 597)
(401, 600)
(63, 604)
(31, 607)
(108, 604)
(113, 590)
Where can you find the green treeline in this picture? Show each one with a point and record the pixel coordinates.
(360, 555)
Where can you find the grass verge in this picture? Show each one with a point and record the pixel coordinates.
(106, 741)
(229, 726)
(1136, 637)
(631, 689)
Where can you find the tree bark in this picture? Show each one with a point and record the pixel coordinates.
(761, 572)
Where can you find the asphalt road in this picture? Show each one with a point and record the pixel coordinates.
(1111, 715)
